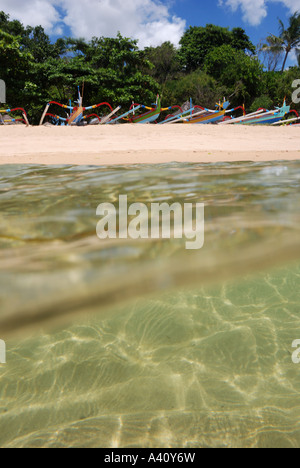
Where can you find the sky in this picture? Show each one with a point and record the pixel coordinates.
(150, 21)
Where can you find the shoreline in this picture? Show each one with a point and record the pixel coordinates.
(147, 144)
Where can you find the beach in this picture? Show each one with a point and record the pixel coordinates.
(147, 144)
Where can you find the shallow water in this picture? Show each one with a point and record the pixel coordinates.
(143, 343)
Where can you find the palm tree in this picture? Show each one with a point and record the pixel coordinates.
(272, 51)
(298, 56)
(290, 37)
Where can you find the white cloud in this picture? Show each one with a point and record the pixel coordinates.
(147, 20)
(32, 12)
(254, 11)
(292, 5)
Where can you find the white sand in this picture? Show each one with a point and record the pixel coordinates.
(132, 144)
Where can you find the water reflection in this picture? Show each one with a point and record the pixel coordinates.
(208, 364)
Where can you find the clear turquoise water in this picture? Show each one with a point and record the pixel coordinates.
(142, 343)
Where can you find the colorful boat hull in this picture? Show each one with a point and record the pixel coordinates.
(207, 118)
(150, 116)
(76, 117)
(264, 120)
(267, 119)
(210, 116)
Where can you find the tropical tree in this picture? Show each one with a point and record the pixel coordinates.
(289, 38)
(197, 42)
(33, 40)
(277, 86)
(240, 73)
(298, 56)
(202, 88)
(14, 66)
(271, 52)
(164, 59)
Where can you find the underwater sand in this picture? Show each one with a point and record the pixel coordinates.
(143, 343)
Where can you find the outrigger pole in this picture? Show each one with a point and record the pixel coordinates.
(244, 118)
(124, 115)
(76, 112)
(176, 117)
(7, 111)
(105, 119)
(188, 114)
(247, 117)
(286, 122)
(187, 117)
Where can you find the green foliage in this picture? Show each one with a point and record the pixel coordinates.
(278, 86)
(240, 73)
(14, 66)
(240, 41)
(11, 52)
(271, 51)
(119, 70)
(288, 39)
(198, 42)
(32, 40)
(264, 102)
(199, 86)
(36, 71)
(211, 63)
(165, 62)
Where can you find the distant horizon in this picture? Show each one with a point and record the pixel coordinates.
(152, 22)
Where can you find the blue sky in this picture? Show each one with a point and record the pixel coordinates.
(199, 12)
(150, 21)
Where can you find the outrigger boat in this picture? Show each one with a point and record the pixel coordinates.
(208, 116)
(77, 116)
(201, 115)
(261, 117)
(153, 112)
(289, 121)
(6, 119)
(148, 117)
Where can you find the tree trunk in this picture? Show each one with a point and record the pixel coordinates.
(285, 59)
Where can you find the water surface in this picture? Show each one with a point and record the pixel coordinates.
(142, 343)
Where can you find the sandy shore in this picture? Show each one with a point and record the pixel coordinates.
(132, 144)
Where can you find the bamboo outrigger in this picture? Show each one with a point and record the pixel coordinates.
(6, 119)
(153, 112)
(208, 116)
(148, 117)
(261, 117)
(202, 115)
(289, 121)
(77, 116)
(123, 116)
(192, 114)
